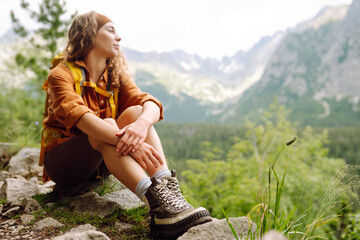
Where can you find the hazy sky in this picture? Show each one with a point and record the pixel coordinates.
(209, 28)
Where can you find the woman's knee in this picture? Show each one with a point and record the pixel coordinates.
(96, 144)
(111, 121)
(129, 115)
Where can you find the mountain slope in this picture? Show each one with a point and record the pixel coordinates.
(314, 71)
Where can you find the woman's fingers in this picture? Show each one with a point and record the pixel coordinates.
(121, 132)
(143, 164)
(132, 145)
(147, 157)
(138, 145)
(120, 147)
(129, 141)
(155, 158)
(148, 162)
(128, 145)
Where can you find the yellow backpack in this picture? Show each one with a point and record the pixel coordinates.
(49, 134)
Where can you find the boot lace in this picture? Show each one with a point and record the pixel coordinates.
(172, 199)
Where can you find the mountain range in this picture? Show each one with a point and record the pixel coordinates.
(314, 72)
(312, 68)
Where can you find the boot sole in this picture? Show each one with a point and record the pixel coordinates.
(177, 229)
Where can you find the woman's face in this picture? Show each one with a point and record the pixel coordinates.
(107, 41)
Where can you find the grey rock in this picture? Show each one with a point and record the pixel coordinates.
(30, 205)
(9, 222)
(14, 233)
(20, 227)
(17, 189)
(219, 229)
(27, 218)
(120, 226)
(4, 175)
(47, 223)
(273, 235)
(25, 162)
(50, 204)
(82, 228)
(46, 187)
(93, 204)
(114, 182)
(88, 235)
(125, 199)
(11, 211)
(16, 204)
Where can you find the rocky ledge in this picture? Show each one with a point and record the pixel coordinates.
(30, 209)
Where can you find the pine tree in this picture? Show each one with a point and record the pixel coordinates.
(23, 106)
(50, 17)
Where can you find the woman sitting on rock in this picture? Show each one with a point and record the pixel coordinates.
(110, 122)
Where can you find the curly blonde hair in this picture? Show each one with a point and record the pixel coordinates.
(82, 35)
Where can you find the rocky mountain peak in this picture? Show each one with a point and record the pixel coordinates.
(351, 22)
(325, 15)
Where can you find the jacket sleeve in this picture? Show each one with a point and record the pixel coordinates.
(130, 95)
(67, 106)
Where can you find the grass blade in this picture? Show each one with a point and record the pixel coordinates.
(230, 225)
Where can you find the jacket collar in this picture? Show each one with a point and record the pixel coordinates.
(104, 75)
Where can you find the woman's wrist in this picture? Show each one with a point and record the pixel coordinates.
(145, 121)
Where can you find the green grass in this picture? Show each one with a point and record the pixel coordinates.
(106, 187)
(270, 215)
(138, 217)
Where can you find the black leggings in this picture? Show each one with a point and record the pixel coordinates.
(73, 162)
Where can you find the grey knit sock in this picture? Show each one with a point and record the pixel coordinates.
(142, 187)
(161, 173)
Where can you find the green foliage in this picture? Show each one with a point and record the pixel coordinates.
(233, 183)
(21, 108)
(52, 24)
(106, 187)
(136, 214)
(272, 217)
(183, 141)
(21, 117)
(186, 141)
(344, 143)
(52, 29)
(43, 199)
(351, 227)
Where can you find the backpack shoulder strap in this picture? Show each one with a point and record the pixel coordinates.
(79, 76)
(56, 60)
(77, 72)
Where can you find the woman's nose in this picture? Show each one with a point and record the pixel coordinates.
(118, 38)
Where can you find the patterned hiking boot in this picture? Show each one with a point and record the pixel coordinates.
(173, 185)
(171, 214)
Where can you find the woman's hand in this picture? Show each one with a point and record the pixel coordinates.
(132, 136)
(147, 156)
